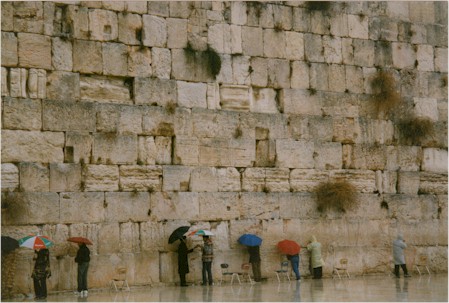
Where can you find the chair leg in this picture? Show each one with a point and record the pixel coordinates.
(238, 279)
(428, 271)
(288, 276)
(417, 267)
(277, 275)
(338, 273)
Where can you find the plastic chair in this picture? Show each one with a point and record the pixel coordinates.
(225, 272)
(343, 266)
(283, 270)
(245, 272)
(120, 278)
(422, 262)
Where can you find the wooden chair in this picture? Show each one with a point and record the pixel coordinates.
(120, 278)
(422, 262)
(283, 270)
(343, 267)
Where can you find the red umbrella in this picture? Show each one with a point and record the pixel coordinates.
(80, 240)
(289, 247)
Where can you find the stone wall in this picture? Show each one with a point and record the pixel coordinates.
(115, 128)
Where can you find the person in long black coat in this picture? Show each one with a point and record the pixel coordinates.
(183, 261)
(40, 273)
(254, 259)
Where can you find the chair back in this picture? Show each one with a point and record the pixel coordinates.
(284, 265)
(121, 271)
(246, 266)
(224, 267)
(422, 260)
(343, 262)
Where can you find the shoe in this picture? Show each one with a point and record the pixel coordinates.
(85, 293)
(407, 276)
(298, 278)
(184, 285)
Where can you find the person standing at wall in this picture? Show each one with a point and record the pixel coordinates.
(294, 261)
(314, 247)
(183, 261)
(83, 259)
(207, 257)
(398, 256)
(40, 273)
(254, 259)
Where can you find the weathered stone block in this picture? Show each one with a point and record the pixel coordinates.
(113, 148)
(32, 146)
(17, 79)
(155, 91)
(193, 66)
(332, 49)
(383, 29)
(151, 235)
(366, 157)
(154, 31)
(294, 154)
(339, 25)
(301, 19)
(399, 10)
(103, 25)
(176, 178)
(434, 160)
(252, 41)
(346, 130)
(81, 145)
(82, 207)
(79, 18)
(36, 83)
(101, 178)
(61, 54)
(174, 206)
(176, 33)
(63, 86)
(425, 58)
(422, 12)
(363, 180)
(129, 238)
(65, 116)
(259, 74)
(139, 62)
(125, 207)
(426, 108)
(5, 84)
(403, 55)
(28, 17)
(258, 206)
(177, 9)
(218, 206)
(65, 177)
(274, 43)
(337, 78)
(441, 59)
(34, 177)
(432, 183)
(238, 13)
(87, 57)
(191, 94)
(136, 7)
(264, 100)
(314, 51)
(328, 155)
(228, 179)
(242, 152)
(299, 101)
(278, 73)
(34, 50)
(146, 150)
(408, 183)
(234, 97)
(129, 119)
(354, 75)
(9, 49)
(363, 52)
(102, 89)
(241, 70)
(108, 238)
(7, 16)
(23, 114)
(305, 180)
(115, 59)
(277, 180)
(319, 76)
(130, 28)
(203, 179)
(358, 27)
(299, 75)
(10, 177)
(406, 158)
(253, 179)
(161, 62)
(140, 178)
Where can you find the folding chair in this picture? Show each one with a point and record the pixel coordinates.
(120, 278)
(225, 272)
(245, 272)
(343, 266)
(283, 270)
(422, 262)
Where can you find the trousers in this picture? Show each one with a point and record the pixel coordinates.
(82, 275)
(207, 269)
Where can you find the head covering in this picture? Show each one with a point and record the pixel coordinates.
(313, 238)
(400, 237)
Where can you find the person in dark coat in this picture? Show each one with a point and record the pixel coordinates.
(40, 273)
(83, 259)
(254, 259)
(183, 261)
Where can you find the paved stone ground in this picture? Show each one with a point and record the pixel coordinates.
(357, 289)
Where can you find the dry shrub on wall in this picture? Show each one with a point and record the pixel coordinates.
(414, 130)
(322, 6)
(339, 194)
(385, 94)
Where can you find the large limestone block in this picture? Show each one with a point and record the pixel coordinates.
(212, 124)
(409, 207)
(432, 183)
(34, 50)
(214, 152)
(10, 177)
(404, 55)
(34, 177)
(252, 41)
(191, 94)
(146, 150)
(300, 75)
(129, 28)
(108, 239)
(360, 156)
(367, 208)
(63, 85)
(163, 150)
(107, 116)
(193, 66)
(36, 83)
(78, 16)
(102, 89)
(363, 52)
(65, 177)
(408, 182)
(152, 236)
(297, 206)
(328, 155)
(399, 10)
(332, 49)
(354, 79)
(23, 114)
(139, 62)
(305, 180)
(129, 120)
(313, 48)
(319, 127)
(383, 29)
(426, 108)
(265, 153)
(125, 207)
(274, 43)
(28, 17)
(114, 148)
(277, 180)
(228, 179)
(259, 74)
(422, 12)
(68, 116)
(264, 100)
(17, 81)
(154, 31)
(176, 178)
(219, 38)
(319, 22)
(4, 80)
(30, 208)
(278, 73)
(161, 62)
(242, 152)
(154, 91)
(405, 158)
(337, 78)
(103, 25)
(175, 206)
(140, 178)
(82, 207)
(294, 154)
(319, 76)
(218, 206)
(101, 178)
(358, 26)
(441, 59)
(299, 101)
(7, 16)
(129, 237)
(240, 227)
(301, 19)
(253, 179)
(186, 150)
(258, 206)
(176, 33)
(115, 59)
(9, 49)
(425, 58)
(61, 54)
(346, 130)
(203, 179)
(234, 97)
(87, 57)
(377, 131)
(363, 180)
(32, 146)
(434, 160)
(238, 13)
(386, 181)
(241, 70)
(146, 270)
(339, 25)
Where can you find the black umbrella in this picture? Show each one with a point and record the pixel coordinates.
(178, 234)
(9, 244)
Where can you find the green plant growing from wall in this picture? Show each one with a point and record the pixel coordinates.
(323, 6)
(385, 94)
(209, 59)
(415, 129)
(339, 195)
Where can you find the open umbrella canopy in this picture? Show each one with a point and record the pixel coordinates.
(289, 247)
(80, 240)
(35, 242)
(250, 240)
(200, 232)
(178, 234)
(9, 244)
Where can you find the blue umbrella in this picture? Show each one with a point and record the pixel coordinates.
(250, 240)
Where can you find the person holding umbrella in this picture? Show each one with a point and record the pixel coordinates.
(83, 259)
(291, 249)
(254, 259)
(207, 257)
(41, 272)
(183, 261)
